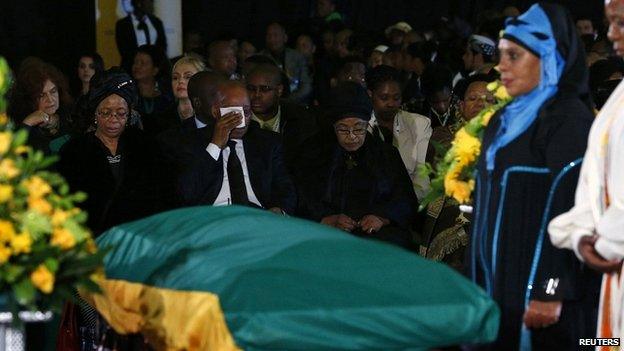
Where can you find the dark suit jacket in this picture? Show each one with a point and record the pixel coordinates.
(199, 176)
(127, 42)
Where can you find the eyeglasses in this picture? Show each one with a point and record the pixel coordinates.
(107, 115)
(259, 88)
(357, 131)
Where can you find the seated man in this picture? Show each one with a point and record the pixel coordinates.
(297, 126)
(222, 59)
(225, 164)
(366, 190)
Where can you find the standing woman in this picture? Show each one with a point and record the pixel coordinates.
(527, 174)
(40, 101)
(114, 165)
(150, 72)
(183, 70)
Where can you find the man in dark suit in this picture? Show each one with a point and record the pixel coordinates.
(224, 164)
(291, 61)
(136, 29)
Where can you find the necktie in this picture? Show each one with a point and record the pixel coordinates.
(238, 191)
(143, 26)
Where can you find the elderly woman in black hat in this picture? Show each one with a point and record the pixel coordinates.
(115, 164)
(365, 190)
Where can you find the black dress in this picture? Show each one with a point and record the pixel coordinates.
(121, 187)
(372, 180)
(533, 180)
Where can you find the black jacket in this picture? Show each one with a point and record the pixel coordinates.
(127, 42)
(199, 177)
(135, 194)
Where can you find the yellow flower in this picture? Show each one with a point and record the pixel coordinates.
(493, 85)
(5, 253)
(7, 232)
(63, 238)
(59, 217)
(22, 149)
(8, 169)
(39, 205)
(43, 279)
(91, 246)
(487, 115)
(467, 147)
(6, 193)
(456, 188)
(3, 117)
(21, 243)
(5, 142)
(37, 187)
(501, 93)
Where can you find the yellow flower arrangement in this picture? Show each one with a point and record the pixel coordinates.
(454, 173)
(43, 279)
(42, 232)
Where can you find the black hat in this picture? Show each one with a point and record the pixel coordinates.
(349, 99)
(112, 81)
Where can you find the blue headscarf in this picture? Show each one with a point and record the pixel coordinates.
(532, 30)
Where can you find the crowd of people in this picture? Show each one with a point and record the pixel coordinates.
(336, 130)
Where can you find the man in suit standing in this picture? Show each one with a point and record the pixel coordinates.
(289, 60)
(138, 28)
(225, 164)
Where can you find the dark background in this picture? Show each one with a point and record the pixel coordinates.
(59, 30)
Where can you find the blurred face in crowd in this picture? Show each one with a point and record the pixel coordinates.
(440, 101)
(351, 133)
(353, 72)
(386, 100)
(324, 7)
(245, 50)
(276, 38)
(180, 78)
(48, 100)
(86, 69)
(223, 59)
(476, 98)
(414, 64)
(584, 26)
(412, 37)
(234, 95)
(393, 59)
(328, 41)
(264, 93)
(614, 11)
(306, 46)
(341, 42)
(143, 67)
(396, 37)
(519, 68)
(375, 59)
(111, 116)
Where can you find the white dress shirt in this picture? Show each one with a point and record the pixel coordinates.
(140, 34)
(224, 197)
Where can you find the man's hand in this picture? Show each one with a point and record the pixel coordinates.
(371, 223)
(340, 221)
(593, 259)
(225, 124)
(541, 314)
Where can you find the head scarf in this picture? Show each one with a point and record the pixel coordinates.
(532, 30)
(112, 81)
(482, 45)
(349, 99)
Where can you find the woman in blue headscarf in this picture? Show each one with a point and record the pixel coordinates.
(527, 174)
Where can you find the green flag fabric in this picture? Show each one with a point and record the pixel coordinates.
(289, 284)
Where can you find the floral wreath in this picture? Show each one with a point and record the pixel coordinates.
(454, 173)
(46, 252)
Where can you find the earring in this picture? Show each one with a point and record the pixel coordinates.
(95, 121)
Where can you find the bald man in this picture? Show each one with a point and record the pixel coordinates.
(228, 165)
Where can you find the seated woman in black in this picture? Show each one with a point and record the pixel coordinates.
(365, 190)
(114, 165)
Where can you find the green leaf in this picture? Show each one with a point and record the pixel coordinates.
(20, 137)
(52, 264)
(12, 272)
(24, 292)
